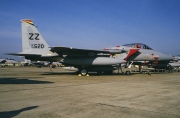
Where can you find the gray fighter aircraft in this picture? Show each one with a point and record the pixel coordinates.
(175, 63)
(5, 62)
(36, 48)
(2, 61)
(105, 60)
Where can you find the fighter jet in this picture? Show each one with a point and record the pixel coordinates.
(175, 64)
(5, 62)
(104, 60)
(2, 61)
(36, 48)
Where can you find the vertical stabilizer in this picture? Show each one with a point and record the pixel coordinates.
(32, 40)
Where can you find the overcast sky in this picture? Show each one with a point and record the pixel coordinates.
(93, 23)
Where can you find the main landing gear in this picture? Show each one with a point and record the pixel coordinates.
(83, 72)
(128, 72)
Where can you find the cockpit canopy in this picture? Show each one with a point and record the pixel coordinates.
(138, 45)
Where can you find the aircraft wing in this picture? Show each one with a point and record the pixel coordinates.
(82, 52)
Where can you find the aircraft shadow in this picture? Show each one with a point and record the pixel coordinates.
(22, 81)
(10, 114)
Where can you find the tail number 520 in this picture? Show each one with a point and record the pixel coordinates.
(39, 46)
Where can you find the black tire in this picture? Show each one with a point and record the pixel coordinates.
(128, 72)
(83, 72)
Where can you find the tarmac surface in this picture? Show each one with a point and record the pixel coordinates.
(30, 92)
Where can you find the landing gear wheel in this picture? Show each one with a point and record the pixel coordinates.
(84, 72)
(128, 72)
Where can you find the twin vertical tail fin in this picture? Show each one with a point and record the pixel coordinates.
(32, 40)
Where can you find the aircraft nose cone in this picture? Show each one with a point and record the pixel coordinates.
(167, 57)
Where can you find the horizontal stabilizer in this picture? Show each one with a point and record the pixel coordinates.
(19, 54)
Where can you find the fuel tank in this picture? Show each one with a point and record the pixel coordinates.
(92, 61)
